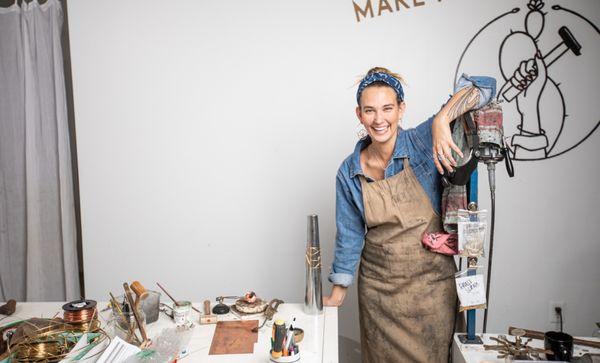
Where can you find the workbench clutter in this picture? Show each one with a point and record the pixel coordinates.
(52, 340)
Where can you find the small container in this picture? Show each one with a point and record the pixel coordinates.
(119, 322)
(182, 311)
(150, 305)
(287, 359)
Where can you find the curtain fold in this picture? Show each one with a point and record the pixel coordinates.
(38, 245)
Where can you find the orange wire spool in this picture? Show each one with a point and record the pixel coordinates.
(81, 314)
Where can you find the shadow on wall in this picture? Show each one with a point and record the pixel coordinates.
(349, 350)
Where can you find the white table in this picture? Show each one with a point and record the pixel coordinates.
(470, 353)
(320, 343)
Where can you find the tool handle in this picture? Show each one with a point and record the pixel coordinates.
(207, 307)
(138, 289)
(540, 335)
(135, 312)
(116, 305)
(169, 295)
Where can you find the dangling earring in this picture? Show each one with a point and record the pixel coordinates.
(360, 131)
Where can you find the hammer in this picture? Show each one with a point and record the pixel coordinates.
(207, 317)
(568, 43)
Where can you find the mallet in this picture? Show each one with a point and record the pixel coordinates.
(568, 43)
(207, 317)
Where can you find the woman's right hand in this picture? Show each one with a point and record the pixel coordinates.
(338, 293)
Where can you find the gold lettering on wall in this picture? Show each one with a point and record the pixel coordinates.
(398, 2)
(384, 5)
(364, 9)
(360, 11)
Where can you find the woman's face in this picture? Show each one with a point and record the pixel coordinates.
(379, 112)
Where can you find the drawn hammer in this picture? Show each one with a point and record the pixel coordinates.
(568, 43)
(207, 317)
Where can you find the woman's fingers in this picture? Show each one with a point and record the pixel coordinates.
(456, 149)
(443, 156)
(437, 163)
(448, 156)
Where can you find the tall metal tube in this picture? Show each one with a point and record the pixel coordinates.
(313, 297)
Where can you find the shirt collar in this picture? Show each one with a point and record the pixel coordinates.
(400, 151)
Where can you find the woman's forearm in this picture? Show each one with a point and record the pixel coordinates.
(461, 102)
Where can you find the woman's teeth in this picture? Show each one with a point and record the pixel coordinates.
(380, 129)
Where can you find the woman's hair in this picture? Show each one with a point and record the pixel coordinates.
(381, 83)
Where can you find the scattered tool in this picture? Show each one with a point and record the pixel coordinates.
(130, 329)
(9, 308)
(140, 323)
(517, 350)
(539, 335)
(207, 318)
(173, 299)
(270, 312)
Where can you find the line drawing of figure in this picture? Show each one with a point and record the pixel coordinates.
(527, 81)
(539, 126)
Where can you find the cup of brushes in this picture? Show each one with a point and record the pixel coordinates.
(283, 346)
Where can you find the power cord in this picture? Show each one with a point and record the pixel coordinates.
(558, 311)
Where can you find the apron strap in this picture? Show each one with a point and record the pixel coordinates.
(406, 163)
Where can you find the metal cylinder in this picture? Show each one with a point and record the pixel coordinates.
(313, 297)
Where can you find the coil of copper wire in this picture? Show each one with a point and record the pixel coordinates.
(81, 314)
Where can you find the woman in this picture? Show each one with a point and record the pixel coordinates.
(388, 195)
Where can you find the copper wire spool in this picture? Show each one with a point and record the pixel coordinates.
(82, 315)
(43, 351)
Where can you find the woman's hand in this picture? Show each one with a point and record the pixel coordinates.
(338, 293)
(443, 144)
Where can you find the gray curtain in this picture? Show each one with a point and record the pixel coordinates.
(38, 251)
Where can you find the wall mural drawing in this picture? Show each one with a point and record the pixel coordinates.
(545, 60)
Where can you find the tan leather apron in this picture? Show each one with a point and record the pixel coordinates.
(406, 294)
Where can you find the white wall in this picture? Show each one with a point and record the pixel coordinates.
(208, 130)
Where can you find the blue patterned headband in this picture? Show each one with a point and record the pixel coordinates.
(380, 77)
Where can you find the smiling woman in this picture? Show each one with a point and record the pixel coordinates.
(387, 196)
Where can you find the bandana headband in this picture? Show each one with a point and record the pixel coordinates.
(380, 77)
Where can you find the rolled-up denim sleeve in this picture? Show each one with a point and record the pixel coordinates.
(349, 236)
(486, 86)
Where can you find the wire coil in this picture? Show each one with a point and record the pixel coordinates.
(81, 315)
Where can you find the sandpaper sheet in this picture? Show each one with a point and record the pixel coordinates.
(234, 337)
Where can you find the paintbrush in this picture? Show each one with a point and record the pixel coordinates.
(175, 301)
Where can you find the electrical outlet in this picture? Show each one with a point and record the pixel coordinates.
(552, 315)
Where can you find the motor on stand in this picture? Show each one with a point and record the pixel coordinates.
(485, 137)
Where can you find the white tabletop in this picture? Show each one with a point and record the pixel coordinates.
(470, 353)
(320, 343)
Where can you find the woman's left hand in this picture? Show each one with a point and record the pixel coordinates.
(443, 144)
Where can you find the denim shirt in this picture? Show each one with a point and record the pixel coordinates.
(416, 145)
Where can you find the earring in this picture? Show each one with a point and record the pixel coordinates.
(360, 131)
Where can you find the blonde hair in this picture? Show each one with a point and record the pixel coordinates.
(386, 71)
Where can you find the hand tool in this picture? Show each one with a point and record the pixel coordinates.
(116, 305)
(271, 310)
(207, 318)
(173, 299)
(138, 320)
(539, 335)
(140, 293)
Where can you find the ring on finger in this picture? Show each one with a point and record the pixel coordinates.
(440, 157)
